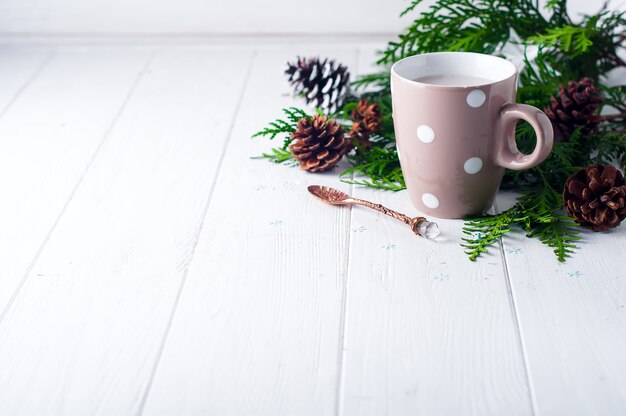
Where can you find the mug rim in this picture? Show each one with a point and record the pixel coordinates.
(485, 56)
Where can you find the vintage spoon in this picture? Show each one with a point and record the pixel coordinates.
(419, 225)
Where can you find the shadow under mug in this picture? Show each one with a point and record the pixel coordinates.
(454, 119)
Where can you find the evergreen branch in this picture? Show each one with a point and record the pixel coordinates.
(485, 231)
(536, 211)
(539, 80)
(280, 156)
(381, 184)
(379, 164)
(466, 25)
(585, 49)
(554, 230)
(413, 5)
(615, 97)
(610, 147)
(282, 126)
(376, 81)
(567, 39)
(559, 12)
(558, 232)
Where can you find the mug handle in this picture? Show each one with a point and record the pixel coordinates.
(507, 155)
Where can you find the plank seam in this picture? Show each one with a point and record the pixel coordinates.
(343, 320)
(198, 233)
(93, 157)
(516, 322)
(344, 298)
(29, 81)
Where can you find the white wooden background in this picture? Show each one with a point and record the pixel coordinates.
(216, 17)
(149, 266)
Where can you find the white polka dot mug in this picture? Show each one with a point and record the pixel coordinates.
(454, 119)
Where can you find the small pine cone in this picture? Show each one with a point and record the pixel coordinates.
(318, 143)
(366, 122)
(594, 197)
(575, 107)
(323, 83)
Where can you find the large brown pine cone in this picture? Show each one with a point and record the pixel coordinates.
(575, 107)
(365, 122)
(594, 197)
(322, 83)
(318, 143)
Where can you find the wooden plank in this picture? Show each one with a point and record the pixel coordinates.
(573, 321)
(199, 17)
(47, 138)
(426, 331)
(84, 332)
(20, 66)
(258, 326)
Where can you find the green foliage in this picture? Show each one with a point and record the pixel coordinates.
(610, 147)
(483, 231)
(278, 156)
(411, 7)
(567, 38)
(539, 214)
(282, 126)
(536, 212)
(377, 167)
(467, 25)
(589, 48)
(586, 48)
(615, 97)
(558, 232)
(379, 164)
(538, 209)
(379, 81)
(538, 81)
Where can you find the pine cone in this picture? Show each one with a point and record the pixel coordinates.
(594, 197)
(318, 143)
(366, 122)
(575, 107)
(323, 83)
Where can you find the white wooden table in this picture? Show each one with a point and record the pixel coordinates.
(149, 266)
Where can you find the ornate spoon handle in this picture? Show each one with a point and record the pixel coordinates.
(419, 225)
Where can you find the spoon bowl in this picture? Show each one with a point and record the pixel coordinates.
(330, 195)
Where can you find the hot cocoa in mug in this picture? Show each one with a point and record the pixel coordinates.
(454, 118)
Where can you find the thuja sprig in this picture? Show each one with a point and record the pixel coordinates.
(278, 155)
(538, 80)
(484, 231)
(615, 97)
(541, 217)
(571, 39)
(378, 83)
(588, 48)
(282, 127)
(536, 212)
(610, 147)
(558, 232)
(379, 166)
(468, 25)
